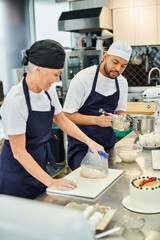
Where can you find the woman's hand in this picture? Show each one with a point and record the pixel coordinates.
(95, 147)
(62, 184)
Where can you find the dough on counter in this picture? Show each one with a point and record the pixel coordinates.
(92, 173)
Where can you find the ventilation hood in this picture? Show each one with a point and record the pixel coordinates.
(86, 20)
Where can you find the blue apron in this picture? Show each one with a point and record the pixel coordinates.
(105, 136)
(14, 179)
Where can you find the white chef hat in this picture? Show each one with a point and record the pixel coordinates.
(120, 49)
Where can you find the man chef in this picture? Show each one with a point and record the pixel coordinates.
(93, 88)
(27, 115)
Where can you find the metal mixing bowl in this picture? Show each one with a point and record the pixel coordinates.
(143, 124)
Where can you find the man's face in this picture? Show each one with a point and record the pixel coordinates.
(47, 77)
(113, 65)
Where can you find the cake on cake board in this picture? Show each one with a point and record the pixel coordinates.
(144, 195)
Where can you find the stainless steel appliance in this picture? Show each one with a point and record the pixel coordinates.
(86, 20)
(135, 97)
(77, 60)
(143, 124)
(153, 95)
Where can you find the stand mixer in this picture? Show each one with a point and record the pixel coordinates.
(153, 95)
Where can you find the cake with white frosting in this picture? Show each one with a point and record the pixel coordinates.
(145, 193)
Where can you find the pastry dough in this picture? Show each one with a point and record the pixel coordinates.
(92, 173)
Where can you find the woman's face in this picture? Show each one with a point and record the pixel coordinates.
(47, 76)
(113, 66)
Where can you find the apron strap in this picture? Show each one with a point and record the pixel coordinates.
(52, 107)
(117, 86)
(26, 92)
(50, 157)
(48, 95)
(95, 79)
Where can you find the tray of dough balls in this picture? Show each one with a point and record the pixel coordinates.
(88, 187)
(99, 216)
(149, 141)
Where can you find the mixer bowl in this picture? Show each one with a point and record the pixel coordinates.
(143, 124)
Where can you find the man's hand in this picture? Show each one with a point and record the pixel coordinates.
(104, 121)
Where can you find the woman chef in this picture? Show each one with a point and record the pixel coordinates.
(27, 115)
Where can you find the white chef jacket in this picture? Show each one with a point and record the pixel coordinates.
(81, 85)
(14, 110)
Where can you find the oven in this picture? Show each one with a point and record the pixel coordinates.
(75, 61)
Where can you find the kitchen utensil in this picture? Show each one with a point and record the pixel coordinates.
(147, 59)
(103, 112)
(99, 44)
(128, 152)
(147, 63)
(132, 225)
(119, 122)
(136, 60)
(143, 124)
(106, 34)
(89, 40)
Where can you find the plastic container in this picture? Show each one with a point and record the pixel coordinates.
(90, 161)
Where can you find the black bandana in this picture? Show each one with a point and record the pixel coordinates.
(45, 53)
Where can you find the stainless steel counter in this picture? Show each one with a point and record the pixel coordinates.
(119, 189)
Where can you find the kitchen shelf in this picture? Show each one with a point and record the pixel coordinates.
(140, 108)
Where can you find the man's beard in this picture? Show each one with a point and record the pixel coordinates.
(108, 73)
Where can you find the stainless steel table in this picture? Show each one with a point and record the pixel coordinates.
(119, 189)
